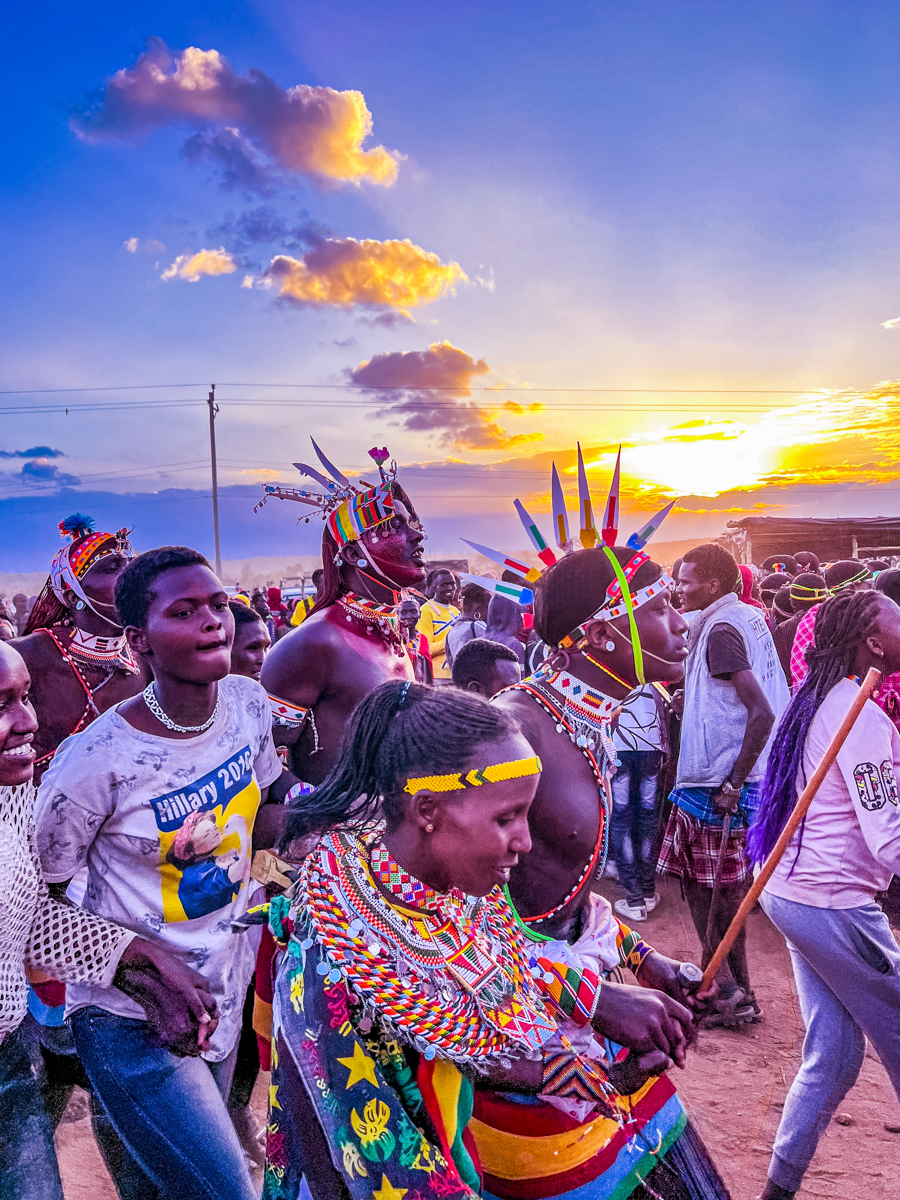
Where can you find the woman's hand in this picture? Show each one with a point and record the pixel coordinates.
(180, 1007)
(643, 1020)
(661, 973)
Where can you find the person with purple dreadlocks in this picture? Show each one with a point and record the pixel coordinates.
(823, 893)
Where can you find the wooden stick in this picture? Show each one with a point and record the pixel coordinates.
(800, 809)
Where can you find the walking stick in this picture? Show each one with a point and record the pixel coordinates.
(807, 796)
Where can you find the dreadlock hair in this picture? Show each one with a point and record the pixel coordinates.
(134, 587)
(333, 586)
(400, 730)
(842, 626)
(571, 591)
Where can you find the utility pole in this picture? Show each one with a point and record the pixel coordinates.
(213, 409)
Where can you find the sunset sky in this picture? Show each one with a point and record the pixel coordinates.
(473, 232)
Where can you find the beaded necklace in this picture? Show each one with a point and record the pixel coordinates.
(103, 652)
(587, 711)
(380, 617)
(446, 973)
(566, 723)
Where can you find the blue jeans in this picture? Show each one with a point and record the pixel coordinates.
(28, 1169)
(633, 826)
(847, 969)
(169, 1111)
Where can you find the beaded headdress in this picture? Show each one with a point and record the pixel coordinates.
(86, 547)
(347, 510)
(618, 600)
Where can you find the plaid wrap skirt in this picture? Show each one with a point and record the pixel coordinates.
(690, 850)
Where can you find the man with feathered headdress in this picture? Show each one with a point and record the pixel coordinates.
(73, 645)
(351, 641)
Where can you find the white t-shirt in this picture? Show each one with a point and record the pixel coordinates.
(638, 725)
(850, 840)
(164, 828)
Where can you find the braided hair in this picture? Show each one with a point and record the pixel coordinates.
(842, 626)
(400, 730)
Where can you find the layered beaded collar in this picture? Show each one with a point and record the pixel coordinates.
(399, 883)
(380, 617)
(96, 651)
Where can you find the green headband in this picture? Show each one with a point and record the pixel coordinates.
(632, 623)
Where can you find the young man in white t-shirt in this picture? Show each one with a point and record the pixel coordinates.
(157, 800)
(822, 896)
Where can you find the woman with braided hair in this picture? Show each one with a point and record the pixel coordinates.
(407, 980)
(822, 896)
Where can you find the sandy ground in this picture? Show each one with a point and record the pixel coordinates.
(734, 1086)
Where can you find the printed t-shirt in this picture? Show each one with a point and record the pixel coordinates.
(848, 847)
(638, 725)
(163, 827)
(434, 622)
(726, 652)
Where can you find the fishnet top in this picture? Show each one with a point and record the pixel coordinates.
(37, 931)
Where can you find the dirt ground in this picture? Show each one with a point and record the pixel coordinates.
(734, 1087)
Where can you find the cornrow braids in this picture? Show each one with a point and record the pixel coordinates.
(400, 730)
(842, 626)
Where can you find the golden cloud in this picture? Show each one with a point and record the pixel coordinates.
(204, 262)
(429, 390)
(313, 131)
(345, 272)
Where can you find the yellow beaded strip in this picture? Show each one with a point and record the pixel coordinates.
(476, 777)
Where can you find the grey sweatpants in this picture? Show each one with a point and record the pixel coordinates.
(847, 969)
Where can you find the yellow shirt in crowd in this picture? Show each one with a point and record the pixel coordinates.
(434, 622)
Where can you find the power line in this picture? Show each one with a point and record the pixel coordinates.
(404, 387)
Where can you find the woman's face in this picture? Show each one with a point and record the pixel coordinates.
(396, 548)
(480, 833)
(189, 627)
(206, 836)
(251, 644)
(18, 723)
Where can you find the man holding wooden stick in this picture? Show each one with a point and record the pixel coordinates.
(822, 892)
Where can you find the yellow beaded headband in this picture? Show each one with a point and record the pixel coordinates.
(476, 777)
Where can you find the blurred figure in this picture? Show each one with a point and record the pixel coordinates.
(806, 591)
(438, 614)
(251, 641)
(849, 574)
(470, 623)
(807, 562)
(504, 620)
(486, 667)
(306, 604)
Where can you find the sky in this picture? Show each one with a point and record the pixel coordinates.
(474, 233)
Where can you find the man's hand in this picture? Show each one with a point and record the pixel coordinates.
(678, 703)
(727, 797)
(661, 973)
(644, 1021)
(180, 1007)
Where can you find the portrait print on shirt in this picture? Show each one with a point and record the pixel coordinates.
(204, 838)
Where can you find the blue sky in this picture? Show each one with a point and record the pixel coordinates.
(691, 197)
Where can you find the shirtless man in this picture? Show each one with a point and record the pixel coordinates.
(350, 643)
(564, 710)
(73, 646)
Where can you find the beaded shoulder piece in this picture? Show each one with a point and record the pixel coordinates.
(446, 973)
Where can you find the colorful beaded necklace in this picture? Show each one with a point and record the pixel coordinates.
(380, 617)
(103, 652)
(446, 973)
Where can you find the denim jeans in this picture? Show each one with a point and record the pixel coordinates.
(28, 1168)
(169, 1111)
(847, 969)
(633, 824)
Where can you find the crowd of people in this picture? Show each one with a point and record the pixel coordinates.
(359, 843)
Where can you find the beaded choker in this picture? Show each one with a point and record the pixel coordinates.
(587, 710)
(380, 617)
(477, 777)
(96, 651)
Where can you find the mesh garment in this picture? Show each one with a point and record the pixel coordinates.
(37, 931)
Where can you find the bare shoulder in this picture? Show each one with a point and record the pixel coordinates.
(526, 711)
(36, 648)
(302, 657)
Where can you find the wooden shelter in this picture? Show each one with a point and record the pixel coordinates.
(753, 539)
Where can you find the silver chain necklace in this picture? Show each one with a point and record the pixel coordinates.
(163, 717)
